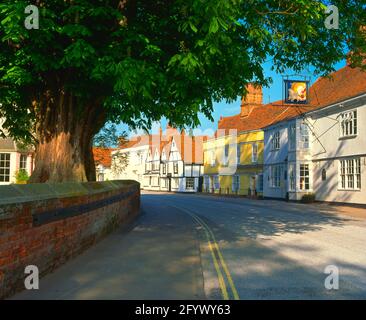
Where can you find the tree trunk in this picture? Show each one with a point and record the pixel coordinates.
(64, 131)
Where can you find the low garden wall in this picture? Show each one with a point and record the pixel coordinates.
(47, 224)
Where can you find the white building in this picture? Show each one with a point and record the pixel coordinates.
(171, 161)
(13, 159)
(181, 168)
(133, 156)
(321, 148)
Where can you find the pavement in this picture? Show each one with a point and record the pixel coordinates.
(205, 247)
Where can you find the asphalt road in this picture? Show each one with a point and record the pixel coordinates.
(203, 247)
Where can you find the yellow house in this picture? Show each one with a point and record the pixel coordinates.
(234, 156)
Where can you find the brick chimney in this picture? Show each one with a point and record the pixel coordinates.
(254, 98)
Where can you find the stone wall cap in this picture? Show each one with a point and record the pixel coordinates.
(13, 194)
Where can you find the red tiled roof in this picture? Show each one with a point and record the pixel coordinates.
(103, 156)
(339, 86)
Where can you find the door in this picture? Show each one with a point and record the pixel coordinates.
(200, 184)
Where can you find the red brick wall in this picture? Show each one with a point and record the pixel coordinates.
(52, 244)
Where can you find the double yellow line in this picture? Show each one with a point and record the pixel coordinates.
(218, 260)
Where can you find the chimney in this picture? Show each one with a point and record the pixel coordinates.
(170, 131)
(254, 98)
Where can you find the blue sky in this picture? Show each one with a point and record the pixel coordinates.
(271, 94)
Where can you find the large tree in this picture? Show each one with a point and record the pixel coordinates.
(135, 61)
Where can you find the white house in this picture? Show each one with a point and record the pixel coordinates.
(133, 155)
(321, 148)
(181, 168)
(13, 158)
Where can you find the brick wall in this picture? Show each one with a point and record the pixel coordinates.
(46, 225)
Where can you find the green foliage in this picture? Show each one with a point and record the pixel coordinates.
(21, 176)
(163, 58)
(109, 137)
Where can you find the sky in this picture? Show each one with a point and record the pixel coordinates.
(271, 94)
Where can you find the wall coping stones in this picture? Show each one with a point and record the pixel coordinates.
(13, 194)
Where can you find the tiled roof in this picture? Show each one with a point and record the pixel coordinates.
(339, 86)
(103, 156)
(7, 144)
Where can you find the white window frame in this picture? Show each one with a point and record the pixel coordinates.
(226, 155)
(304, 177)
(206, 182)
(292, 177)
(5, 164)
(175, 167)
(216, 182)
(304, 136)
(348, 124)
(292, 136)
(275, 176)
(275, 141)
(238, 153)
(23, 159)
(190, 184)
(213, 158)
(254, 152)
(350, 174)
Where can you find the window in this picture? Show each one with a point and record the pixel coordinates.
(175, 167)
(304, 136)
(350, 174)
(175, 183)
(150, 181)
(238, 153)
(164, 168)
(324, 175)
(216, 182)
(4, 167)
(207, 183)
(226, 155)
(23, 162)
(189, 183)
(304, 177)
(292, 136)
(348, 122)
(213, 158)
(275, 141)
(275, 176)
(292, 176)
(254, 152)
(236, 183)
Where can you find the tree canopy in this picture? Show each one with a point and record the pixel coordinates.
(135, 61)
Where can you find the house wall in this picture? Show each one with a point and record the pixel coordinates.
(247, 170)
(15, 164)
(275, 157)
(329, 148)
(135, 169)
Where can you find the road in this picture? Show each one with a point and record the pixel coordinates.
(204, 247)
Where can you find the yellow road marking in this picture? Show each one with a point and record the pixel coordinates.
(222, 260)
(222, 283)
